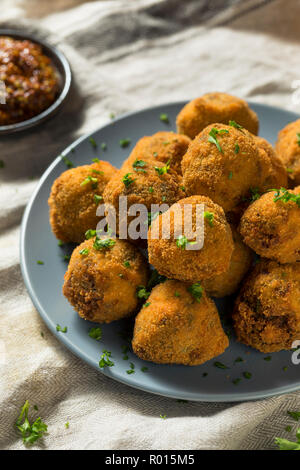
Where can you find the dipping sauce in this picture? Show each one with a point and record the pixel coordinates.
(31, 81)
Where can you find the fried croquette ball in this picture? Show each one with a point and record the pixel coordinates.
(215, 107)
(178, 327)
(102, 279)
(172, 235)
(166, 147)
(267, 310)
(224, 163)
(147, 183)
(74, 198)
(228, 282)
(277, 177)
(270, 226)
(288, 149)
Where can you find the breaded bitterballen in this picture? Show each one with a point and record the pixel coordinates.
(270, 226)
(240, 263)
(102, 279)
(277, 177)
(215, 107)
(267, 310)
(163, 147)
(175, 327)
(288, 149)
(224, 163)
(170, 253)
(144, 183)
(74, 198)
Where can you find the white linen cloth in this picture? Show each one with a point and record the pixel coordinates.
(128, 55)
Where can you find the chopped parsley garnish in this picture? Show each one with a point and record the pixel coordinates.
(103, 146)
(236, 381)
(127, 180)
(84, 251)
(126, 264)
(112, 115)
(268, 358)
(294, 414)
(62, 330)
(139, 165)
(163, 416)
(285, 444)
(66, 257)
(255, 194)
(105, 359)
(176, 294)
(30, 432)
(298, 138)
(182, 242)
(146, 304)
(288, 428)
(39, 262)
(164, 118)
(235, 124)
(103, 243)
(290, 170)
(97, 198)
(142, 293)
(210, 217)
(230, 175)
(239, 359)
(196, 291)
(144, 369)
(2, 164)
(66, 161)
(93, 142)
(164, 169)
(125, 142)
(151, 189)
(95, 160)
(182, 188)
(155, 154)
(90, 179)
(220, 365)
(67, 425)
(213, 137)
(131, 370)
(90, 233)
(60, 243)
(247, 375)
(285, 196)
(236, 148)
(95, 333)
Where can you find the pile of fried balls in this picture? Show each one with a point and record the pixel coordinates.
(251, 247)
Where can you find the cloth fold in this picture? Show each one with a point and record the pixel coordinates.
(126, 56)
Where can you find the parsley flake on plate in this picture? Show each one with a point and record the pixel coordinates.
(95, 333)
(30, 432)
(196, 290)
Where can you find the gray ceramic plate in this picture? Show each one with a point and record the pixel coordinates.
(62, 67)
(44, 283)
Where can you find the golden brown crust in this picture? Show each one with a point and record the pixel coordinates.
(225, 176)
(240, 263)
(277, 177)
(147, 187)
(267, 310)
(215, 107)
(176, 329)
(271, 228)
(191, 265)
(72, 205)
(163, 147)
(98, 284)
(288, 149)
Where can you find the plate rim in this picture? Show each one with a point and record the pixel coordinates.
(81, 354)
